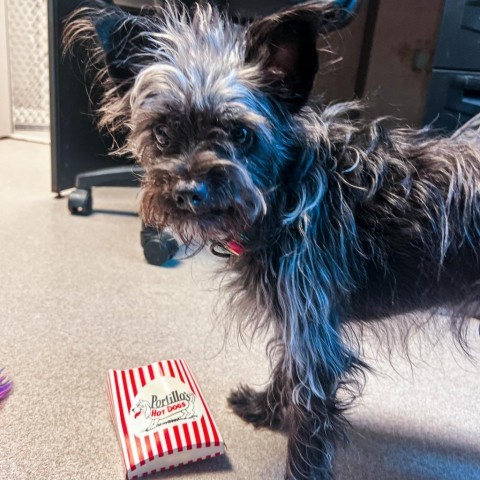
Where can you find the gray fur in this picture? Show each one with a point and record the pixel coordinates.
(346, 222)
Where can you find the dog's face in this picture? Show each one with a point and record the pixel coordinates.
(209, 107)
(206, 136)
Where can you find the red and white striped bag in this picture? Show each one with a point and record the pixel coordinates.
(161, 417)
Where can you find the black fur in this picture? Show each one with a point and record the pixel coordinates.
(342, 221)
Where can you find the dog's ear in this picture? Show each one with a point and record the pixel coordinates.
(284, 45)
(125, 43)
(120, 40)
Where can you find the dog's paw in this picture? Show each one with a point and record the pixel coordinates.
(254, 408)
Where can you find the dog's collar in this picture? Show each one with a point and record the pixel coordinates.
(228, 248)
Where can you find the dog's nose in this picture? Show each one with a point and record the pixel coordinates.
(190, 195)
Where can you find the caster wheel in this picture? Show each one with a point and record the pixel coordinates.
(158, 247)
(80, 202)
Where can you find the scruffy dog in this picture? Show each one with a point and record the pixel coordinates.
(334, 221)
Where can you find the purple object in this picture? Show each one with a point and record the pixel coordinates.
(5, 385)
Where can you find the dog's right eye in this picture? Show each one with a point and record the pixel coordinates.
(160, 135)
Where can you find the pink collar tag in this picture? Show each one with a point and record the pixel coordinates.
(234, 248)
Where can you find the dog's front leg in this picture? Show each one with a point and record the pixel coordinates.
(311, 415)
(264, 408)
(316, 365)
(314, 424)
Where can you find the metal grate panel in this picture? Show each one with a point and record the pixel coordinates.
(28, 56)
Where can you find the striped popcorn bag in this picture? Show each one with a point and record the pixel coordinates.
(161, 418)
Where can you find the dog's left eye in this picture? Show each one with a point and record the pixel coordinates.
(242, 136)
(160, 135)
